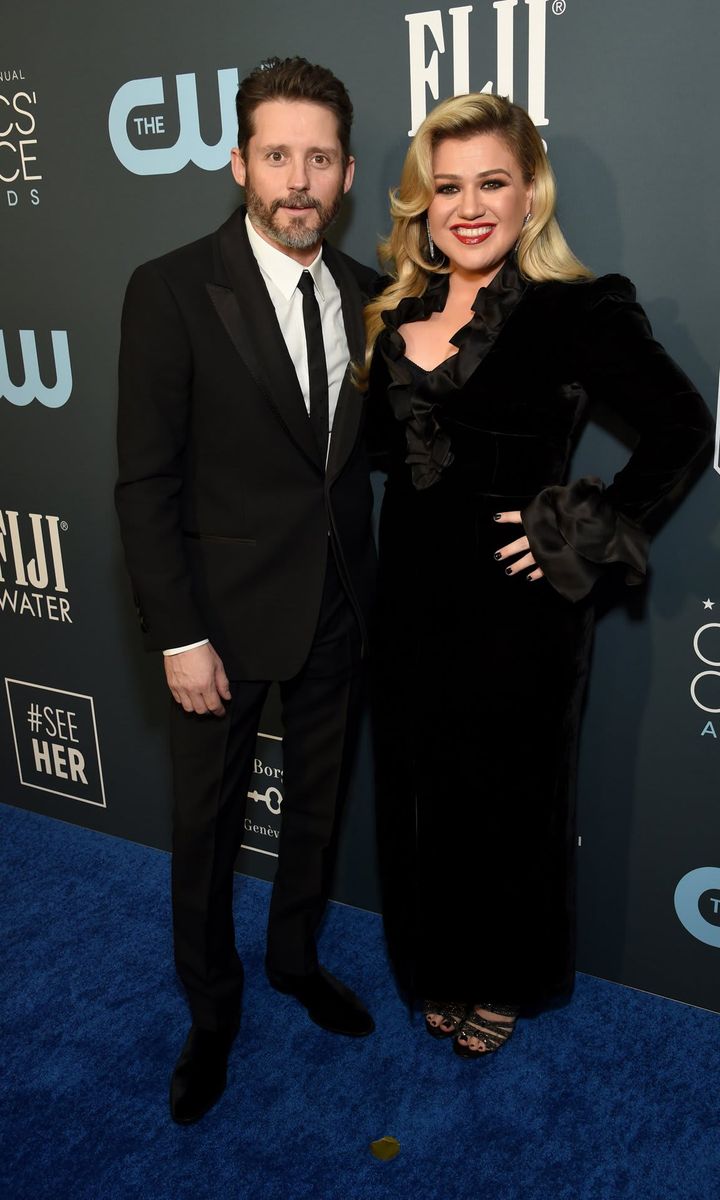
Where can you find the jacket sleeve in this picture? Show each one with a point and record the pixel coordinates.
(155, 379)
(577, 532)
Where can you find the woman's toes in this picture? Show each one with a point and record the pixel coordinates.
(476, 1044)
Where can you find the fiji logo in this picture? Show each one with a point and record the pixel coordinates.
(32, 387)
(426, 33)
(149, 95)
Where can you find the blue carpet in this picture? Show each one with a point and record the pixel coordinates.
(614, 1096)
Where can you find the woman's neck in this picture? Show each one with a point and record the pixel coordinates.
(465, 285)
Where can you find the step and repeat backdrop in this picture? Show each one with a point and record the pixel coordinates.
(116, 123)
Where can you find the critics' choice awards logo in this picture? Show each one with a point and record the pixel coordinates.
(705, 684)
(716, 459)
(428, 44)
(21, 381)
(265, 797)
(32, 572)
(697, 896)
(19, 156)
(141, 117)
(56, 741)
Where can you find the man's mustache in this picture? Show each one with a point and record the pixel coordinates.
(295, 202)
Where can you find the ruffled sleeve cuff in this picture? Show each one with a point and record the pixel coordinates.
(575, 533)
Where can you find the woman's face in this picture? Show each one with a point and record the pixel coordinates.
(480, 203)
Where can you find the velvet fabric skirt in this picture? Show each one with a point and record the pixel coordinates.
(478, 686)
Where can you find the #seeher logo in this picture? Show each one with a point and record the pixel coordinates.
(56, 741)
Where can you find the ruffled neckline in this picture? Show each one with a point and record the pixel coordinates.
(415, 399)
(491, 308)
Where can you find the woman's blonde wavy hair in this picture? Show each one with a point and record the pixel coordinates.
(542, 252)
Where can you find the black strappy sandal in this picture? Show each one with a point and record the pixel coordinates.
(494, 1034)
(452, 1013)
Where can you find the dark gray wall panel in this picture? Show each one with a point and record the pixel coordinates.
(629, 94)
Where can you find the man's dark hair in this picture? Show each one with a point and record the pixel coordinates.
(292, 79)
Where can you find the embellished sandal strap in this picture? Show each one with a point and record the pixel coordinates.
(503, 1010)
(493, 1033)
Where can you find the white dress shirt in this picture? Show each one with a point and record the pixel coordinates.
(281, 275)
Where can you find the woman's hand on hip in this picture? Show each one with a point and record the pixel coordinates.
(521, 546)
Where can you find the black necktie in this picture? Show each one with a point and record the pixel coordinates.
(317, 366)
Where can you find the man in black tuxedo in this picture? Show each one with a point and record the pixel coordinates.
(244, 503)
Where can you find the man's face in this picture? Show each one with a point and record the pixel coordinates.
(293, 174)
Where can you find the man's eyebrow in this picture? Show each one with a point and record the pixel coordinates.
(331, 151)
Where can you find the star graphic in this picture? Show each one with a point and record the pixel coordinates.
(708, 603)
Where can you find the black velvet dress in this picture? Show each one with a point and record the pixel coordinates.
(478, 676)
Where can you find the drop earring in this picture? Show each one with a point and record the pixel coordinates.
(528, 217)
(431, 244)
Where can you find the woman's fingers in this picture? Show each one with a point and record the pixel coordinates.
(521, 564)
(516, 547)
(513, 548)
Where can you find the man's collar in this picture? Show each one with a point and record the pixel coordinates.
(284, 271)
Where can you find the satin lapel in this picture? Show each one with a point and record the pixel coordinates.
(348, 413)
(247, 313)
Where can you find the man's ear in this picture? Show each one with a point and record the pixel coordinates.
(349, 174)
(239, 170)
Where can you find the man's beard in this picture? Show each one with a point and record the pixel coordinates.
(296, 235)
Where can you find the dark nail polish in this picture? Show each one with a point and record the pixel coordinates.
(497, 555)
(508, 570)
(497, 516)
(530, 578)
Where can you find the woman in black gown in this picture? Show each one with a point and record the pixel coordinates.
(483, 353)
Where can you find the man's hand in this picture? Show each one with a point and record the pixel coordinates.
(197, 680)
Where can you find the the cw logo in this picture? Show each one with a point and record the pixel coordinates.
(697, 891)
(189, 147)
(32, 387)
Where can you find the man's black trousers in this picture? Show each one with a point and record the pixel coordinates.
(213, 760)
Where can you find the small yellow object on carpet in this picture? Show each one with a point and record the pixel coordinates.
(385, 1148)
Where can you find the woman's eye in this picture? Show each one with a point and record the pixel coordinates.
(446, 189)
(493, 184)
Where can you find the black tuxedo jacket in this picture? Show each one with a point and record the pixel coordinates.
(224, 501)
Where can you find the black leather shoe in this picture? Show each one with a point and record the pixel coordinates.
(200, 1073)
(329, 1003)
